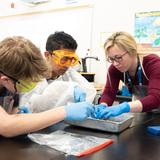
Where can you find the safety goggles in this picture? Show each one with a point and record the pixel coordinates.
(25, 86)
(21, 85)
(65, 57)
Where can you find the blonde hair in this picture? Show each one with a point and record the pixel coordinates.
(21, 59)
(123, 41)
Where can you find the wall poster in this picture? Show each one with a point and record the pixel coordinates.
(147, 31)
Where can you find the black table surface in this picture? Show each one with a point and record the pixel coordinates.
(134, 143)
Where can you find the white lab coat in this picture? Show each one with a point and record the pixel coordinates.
(73, 76)
(59, 92)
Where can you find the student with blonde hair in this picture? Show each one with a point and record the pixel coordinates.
(21, 67)
(141, 77)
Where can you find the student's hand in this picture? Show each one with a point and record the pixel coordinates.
(98, 108)
(79, 95)
(23, 109)
(113, 111)
(79, 111)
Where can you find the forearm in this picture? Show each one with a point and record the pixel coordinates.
(150, 102)
(135, 106)
(24, 123)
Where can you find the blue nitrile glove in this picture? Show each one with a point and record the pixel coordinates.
(79, 94)
(23, 109)
(79, 111)
(114, 111)
(97, 109)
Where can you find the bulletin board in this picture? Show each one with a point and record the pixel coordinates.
(147, 31)
(76, 21)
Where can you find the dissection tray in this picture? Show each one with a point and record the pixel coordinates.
(116, 124)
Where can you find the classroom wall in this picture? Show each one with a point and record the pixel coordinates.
(37, 22)
(108, 16)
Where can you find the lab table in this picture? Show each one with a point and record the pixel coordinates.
(134, 143)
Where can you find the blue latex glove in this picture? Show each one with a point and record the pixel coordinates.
(79, 111)
(98, 108)
(114, 111)
(23, 109)
(79, 94)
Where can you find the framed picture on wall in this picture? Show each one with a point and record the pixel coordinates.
(147, 31)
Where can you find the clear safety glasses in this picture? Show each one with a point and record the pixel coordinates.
(65, 57)
(116, 58)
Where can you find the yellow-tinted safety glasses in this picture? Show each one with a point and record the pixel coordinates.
(25, 86)
(21, 86)
(65, 57)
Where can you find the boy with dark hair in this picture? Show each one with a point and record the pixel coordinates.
(65, 84)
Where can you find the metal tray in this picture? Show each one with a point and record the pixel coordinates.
(115, 125)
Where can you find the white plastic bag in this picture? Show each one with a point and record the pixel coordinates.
(69, 143)
(73, 76)
(56, 94)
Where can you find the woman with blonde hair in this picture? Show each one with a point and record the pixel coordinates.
(141, 77)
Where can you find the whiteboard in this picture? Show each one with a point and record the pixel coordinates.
(37, 27)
